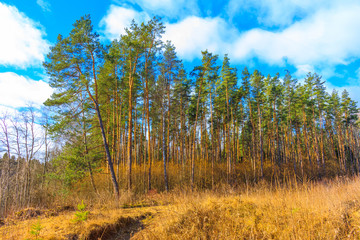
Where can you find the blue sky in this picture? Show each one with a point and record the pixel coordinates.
(320, 36)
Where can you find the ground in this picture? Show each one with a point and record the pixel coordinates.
(325, 210)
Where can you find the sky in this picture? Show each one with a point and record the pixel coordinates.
(272, 36)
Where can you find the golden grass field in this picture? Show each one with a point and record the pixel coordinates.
(325, 210)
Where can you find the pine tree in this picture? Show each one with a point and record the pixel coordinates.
(73, 65)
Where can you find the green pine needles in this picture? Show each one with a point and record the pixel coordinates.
(81, 215)
(35, 230)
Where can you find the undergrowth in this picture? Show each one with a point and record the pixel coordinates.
(326, 210)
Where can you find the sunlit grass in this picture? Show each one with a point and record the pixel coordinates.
(324, 210)
(314, 211)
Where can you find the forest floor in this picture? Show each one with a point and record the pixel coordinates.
(325, 210)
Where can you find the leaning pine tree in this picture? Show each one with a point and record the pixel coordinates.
(72, 65)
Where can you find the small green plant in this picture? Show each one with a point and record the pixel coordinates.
(81, 215)
(35, 230)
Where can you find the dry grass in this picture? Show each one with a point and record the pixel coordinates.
(313, 211)
(101, 224)
(328, 210)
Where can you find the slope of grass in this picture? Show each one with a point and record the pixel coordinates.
(327, 210)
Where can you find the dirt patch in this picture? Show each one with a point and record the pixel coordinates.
(29, 213)
(71, 237)
(123, 228)
(56, 211)
(66, 208)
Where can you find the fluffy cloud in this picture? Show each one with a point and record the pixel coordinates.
(21, 42)
(119, 18)
(194, 34)
(190, 36)
(279, 12)
(329, 37)
(18, 91)
(320, 41)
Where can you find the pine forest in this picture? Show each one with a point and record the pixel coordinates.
(129, 117)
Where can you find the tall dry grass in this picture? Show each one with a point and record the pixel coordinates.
(327, 210)
(264, 210)
(55, 192)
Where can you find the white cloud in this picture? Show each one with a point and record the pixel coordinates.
(119, 18)
(279, 12)
(44, 4)
(329, 37)
(21, 41)
(303, 70)
(18, 91)
(4, 110)
(194, 34)
(190, 36)
(158, 4)
(169, 8)
(326, 38)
